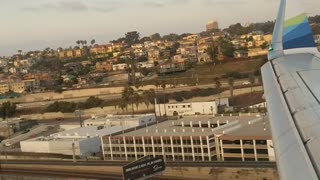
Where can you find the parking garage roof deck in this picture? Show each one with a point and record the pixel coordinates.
(230, 126)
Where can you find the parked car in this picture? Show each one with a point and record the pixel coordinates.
(246, 83)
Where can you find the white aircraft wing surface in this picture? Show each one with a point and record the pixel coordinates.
(292, 90)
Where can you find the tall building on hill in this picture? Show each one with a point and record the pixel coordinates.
(212, 25)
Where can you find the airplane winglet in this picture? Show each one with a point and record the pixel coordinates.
(276, 47)
(292, 33)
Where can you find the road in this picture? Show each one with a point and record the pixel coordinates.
(92, 169)
(57, 174)
(247, 164)
(118, 96)
(23, 137)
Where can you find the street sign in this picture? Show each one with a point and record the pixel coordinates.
(143, 169)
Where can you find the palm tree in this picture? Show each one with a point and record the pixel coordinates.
(163, 85)
(137, 99)
(218, 87)
(81, 44)
(93, 41)
(7, 110)
(128, 96)
(156, 83)
(231, 84)
(78, 42)
(123, 105)
(148, 97)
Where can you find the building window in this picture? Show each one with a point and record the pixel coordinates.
(189, 106)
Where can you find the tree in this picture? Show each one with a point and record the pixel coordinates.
(78, 42)
(213, 52)
(132, 37)
(148, 97)
(123, 105)
(231, 84)
(155, 37)
(227, 49)
(7, 110)
(145, 39)
(98, 79)
(173, 49)
(171, 37)
(93, 41)
(137, 99)
(127, 96)
(132, 67)
(93, 102)
(64, 107)
(156, 83)
(163, 85)
(264, 45)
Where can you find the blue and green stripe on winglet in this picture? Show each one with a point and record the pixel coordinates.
(297, 33)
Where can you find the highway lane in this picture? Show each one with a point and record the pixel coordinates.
(109, 97)
(57, 173)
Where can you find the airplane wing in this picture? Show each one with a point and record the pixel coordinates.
(292, 90)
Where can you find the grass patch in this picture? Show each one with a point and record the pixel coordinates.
(247, 99)
(205, 73)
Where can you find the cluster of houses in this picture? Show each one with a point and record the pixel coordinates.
(251, 45)
(162, 56)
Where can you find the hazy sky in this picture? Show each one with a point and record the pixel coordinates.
(37, 24)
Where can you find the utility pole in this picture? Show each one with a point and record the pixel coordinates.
(73, 152)
(5, 152)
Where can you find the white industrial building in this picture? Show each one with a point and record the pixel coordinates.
(86, 141)
(193, 108)
(121, 120)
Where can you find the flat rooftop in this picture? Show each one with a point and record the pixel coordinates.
(118, 117)
(229, 126)
(81, 133)
(90, 131)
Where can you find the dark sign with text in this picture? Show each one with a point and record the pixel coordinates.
(144, 168)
